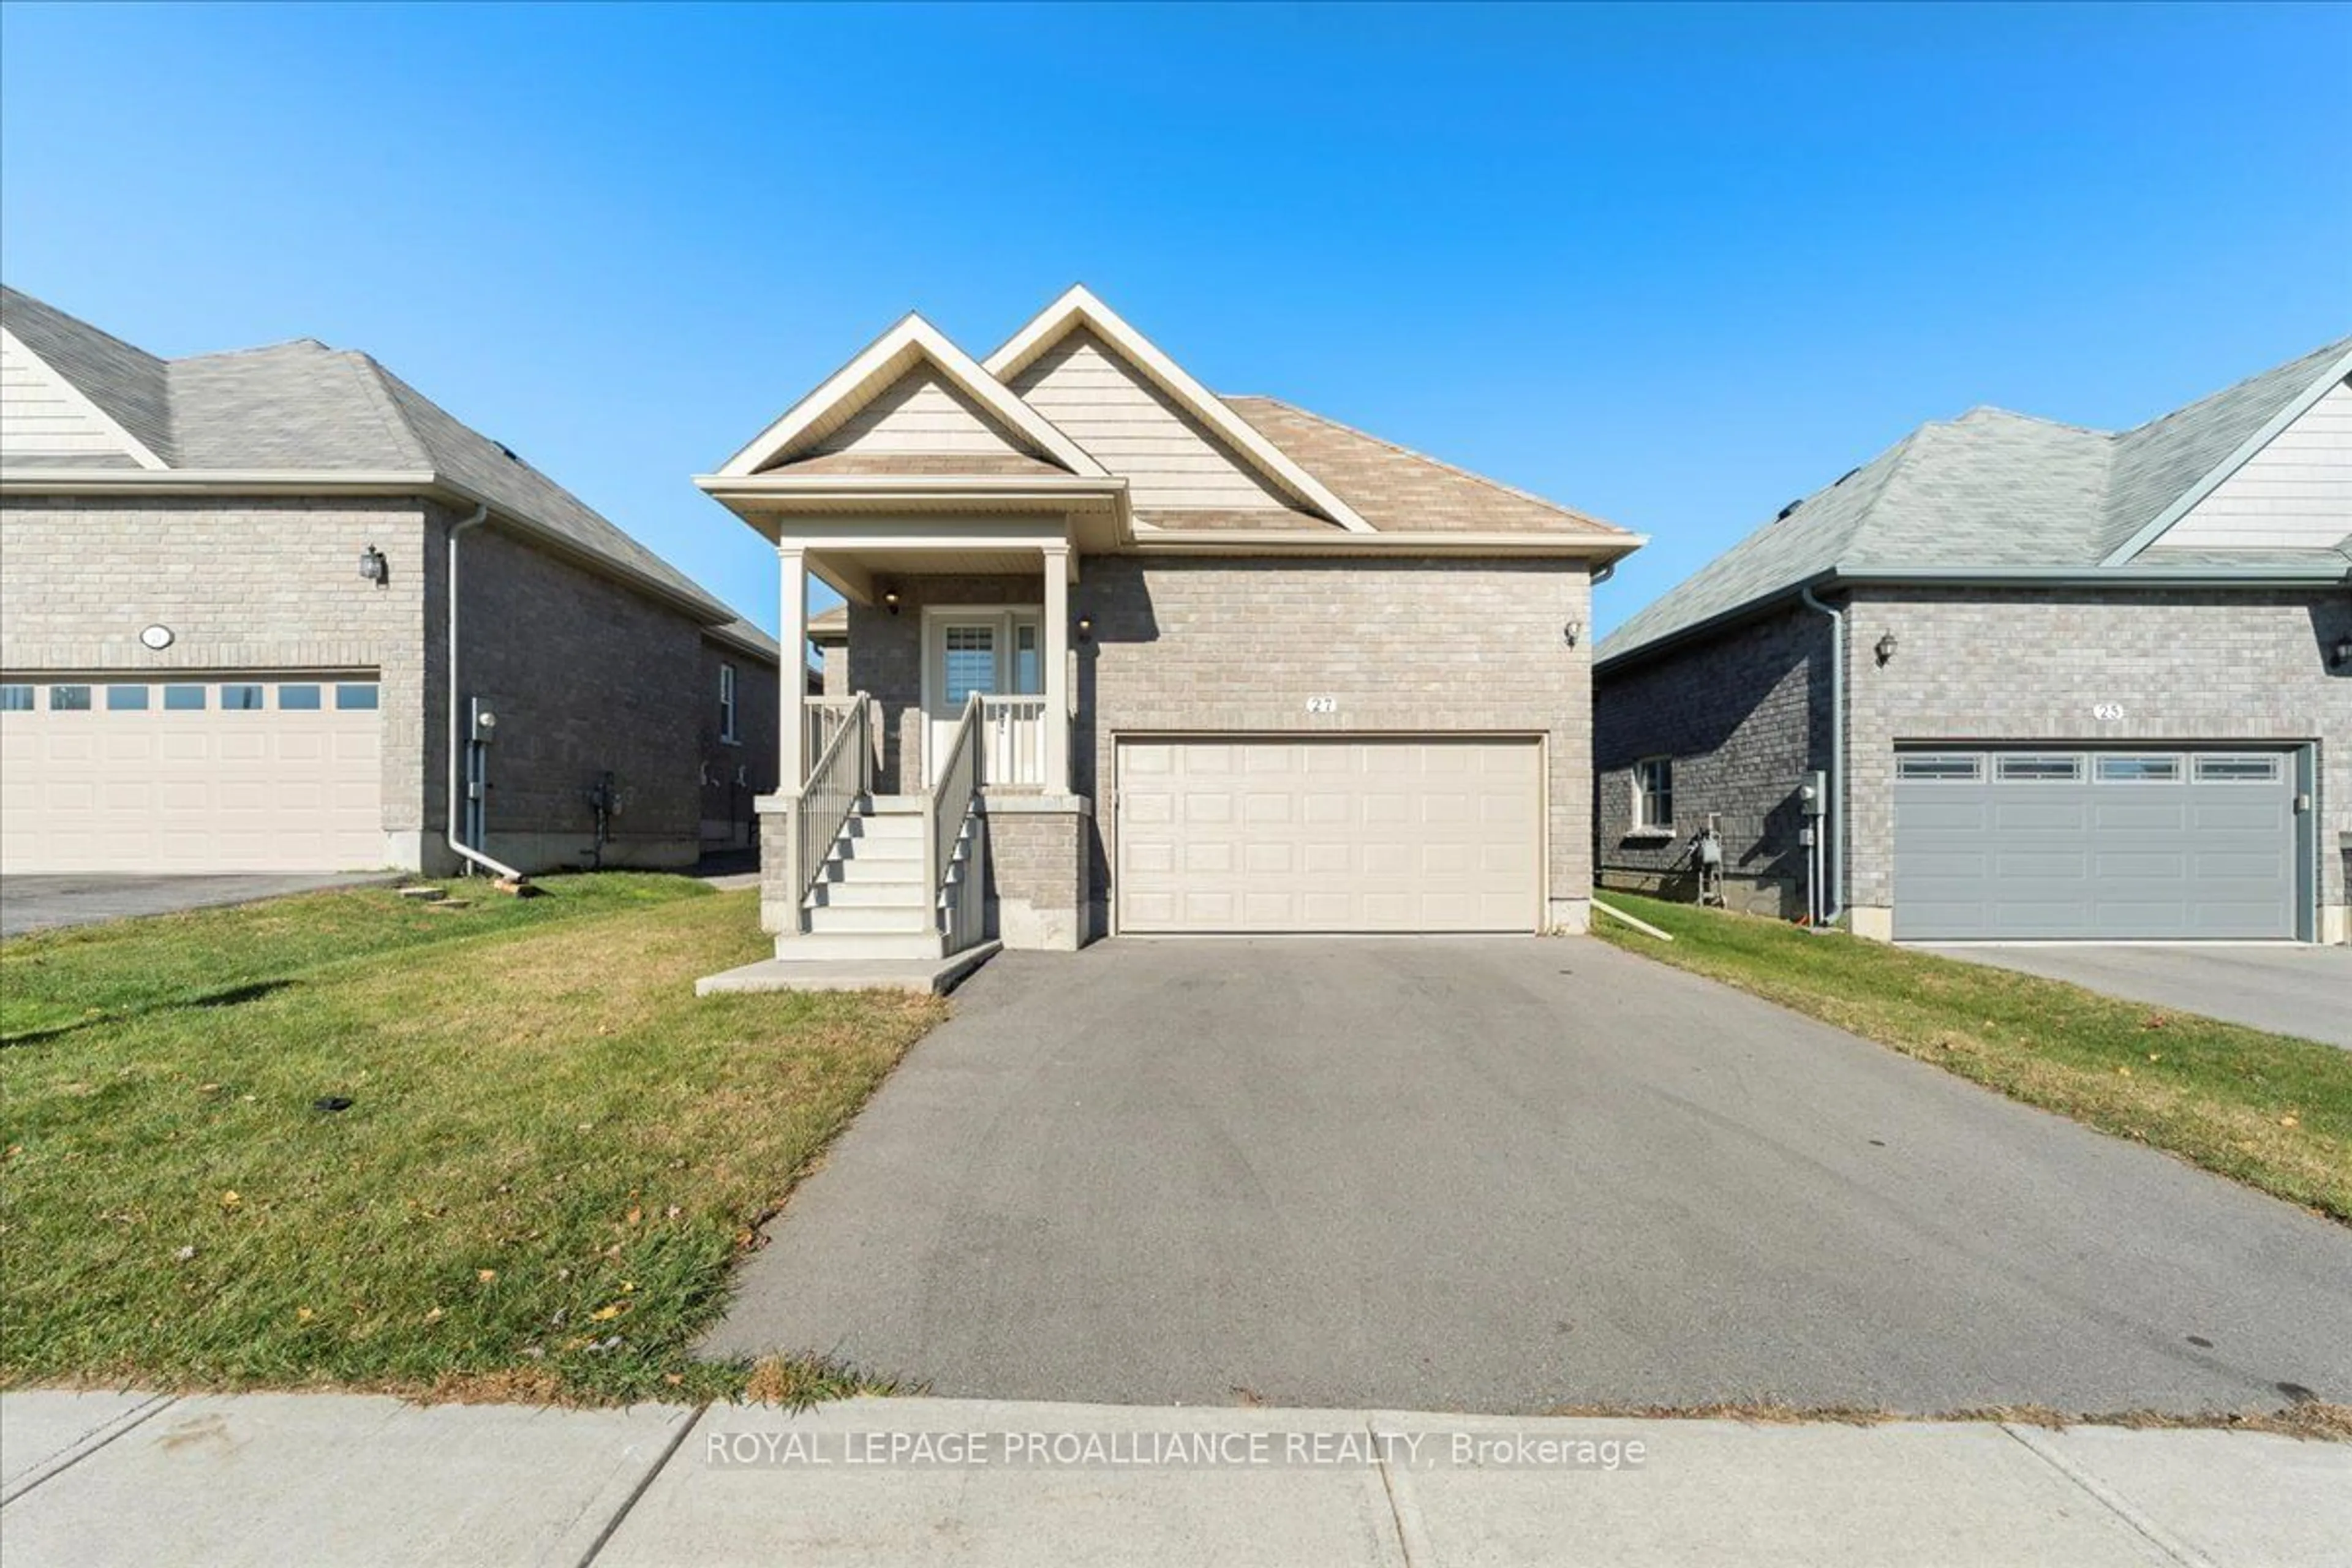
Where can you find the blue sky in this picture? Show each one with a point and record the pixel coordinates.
(1673, 266)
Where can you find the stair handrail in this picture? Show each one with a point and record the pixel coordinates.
(840, 779)
(957, 784)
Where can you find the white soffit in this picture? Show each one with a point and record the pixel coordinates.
(1079, 307)
(880, 365)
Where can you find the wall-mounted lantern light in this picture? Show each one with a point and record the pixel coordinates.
(2341, 653)
(374, 567)
(1886, 646)
(1086, 629)
(890, 600)
(1572, 631)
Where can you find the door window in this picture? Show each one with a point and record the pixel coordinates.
(970, 663)
(1028, 669)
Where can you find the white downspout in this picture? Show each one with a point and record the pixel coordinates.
(449, 822)
(1836, 830)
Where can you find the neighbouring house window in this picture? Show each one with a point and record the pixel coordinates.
(1653, 793)
(242, 699)
(354, 699)
(68, 699)
(183, 699)
(126, 700)
(298, 699)
(726, 703)
(16, 700)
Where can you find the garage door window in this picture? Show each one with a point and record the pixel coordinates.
(183, 699)
(243, 699)
(2139, 770)
(1940, 767)
(299, 698)
(2237, 770)
(68, 699)
(2039, 770)
(16, 700)
(350, 699)
(126, 700)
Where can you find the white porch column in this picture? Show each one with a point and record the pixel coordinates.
(1058, 562)
(792, 632)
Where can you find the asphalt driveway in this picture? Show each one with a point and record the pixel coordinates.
(1506, 1175)
(46, 904)
(2301, 990)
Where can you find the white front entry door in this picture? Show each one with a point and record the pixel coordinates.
(991, 651)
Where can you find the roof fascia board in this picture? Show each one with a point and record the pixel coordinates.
(65, 383)
(1323, 541)
(848, 385)
(2187, 500)
(1077, 306)
(1060, 488)
(743, 644)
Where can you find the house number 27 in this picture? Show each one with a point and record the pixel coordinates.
(1322, 705)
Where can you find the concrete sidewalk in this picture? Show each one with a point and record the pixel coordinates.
(97, 1479)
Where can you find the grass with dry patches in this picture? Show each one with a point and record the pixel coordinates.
(2270, 1112)
(552, 1155)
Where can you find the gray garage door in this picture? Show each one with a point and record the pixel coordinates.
(2117, 845)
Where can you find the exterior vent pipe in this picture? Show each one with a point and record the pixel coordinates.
(1836, 829)
(457, 741)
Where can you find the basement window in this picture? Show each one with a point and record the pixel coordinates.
(727, 704)
(1654, 796)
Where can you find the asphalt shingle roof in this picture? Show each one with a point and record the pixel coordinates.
(1992, 490)
(303, 406)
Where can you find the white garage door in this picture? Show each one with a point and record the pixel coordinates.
(197, 775)
(1265, 834)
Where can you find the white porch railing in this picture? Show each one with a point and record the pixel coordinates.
(822, 718)
(955, 836)
(842, 774)
(1013, 740)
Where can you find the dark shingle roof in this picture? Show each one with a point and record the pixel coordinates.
(1990, 491)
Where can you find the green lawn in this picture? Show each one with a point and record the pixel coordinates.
(553, 1154)
(2273, 1112)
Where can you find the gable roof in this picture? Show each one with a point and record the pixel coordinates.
(302, 408)
(1078, 310)
(125, 384)
(880, 365)
(1994, 494)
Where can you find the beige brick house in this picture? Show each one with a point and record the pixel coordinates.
(226, 633)
(1121, 655)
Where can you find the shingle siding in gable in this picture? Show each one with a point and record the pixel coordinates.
(1170, 460)
(2296, 492)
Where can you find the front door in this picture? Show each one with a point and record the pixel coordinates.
(991, 652)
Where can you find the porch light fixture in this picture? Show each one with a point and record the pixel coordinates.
(890, 600)
(1573, 630)
(1086, 629)
(2341, 653)
(374, 567)
(1885, 648)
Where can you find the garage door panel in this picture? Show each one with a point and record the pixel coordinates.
(1329, 834)
(122, 788)
(2097, 857)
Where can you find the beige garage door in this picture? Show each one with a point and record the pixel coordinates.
(199, 775)
(1336, 834)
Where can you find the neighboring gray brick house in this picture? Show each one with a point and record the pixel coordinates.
(1121, 653)
(2092, 685)
(196, 674)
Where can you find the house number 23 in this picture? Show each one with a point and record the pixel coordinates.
(1322, 705)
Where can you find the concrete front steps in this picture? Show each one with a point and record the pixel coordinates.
(872, 924)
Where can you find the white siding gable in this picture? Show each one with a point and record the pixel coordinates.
(2295, 492)
(1170, 460)
(922, 411)
(42, 416)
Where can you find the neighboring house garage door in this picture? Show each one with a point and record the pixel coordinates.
(2095, 843)
(193, 775)
(1332, 834)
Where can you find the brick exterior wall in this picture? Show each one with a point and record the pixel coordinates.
(1744, 726)
(1038, 862)
(584, 673)
(2022, 665)
(734, 774)
(2186, 665)
(260, 585)
(1238, 646)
